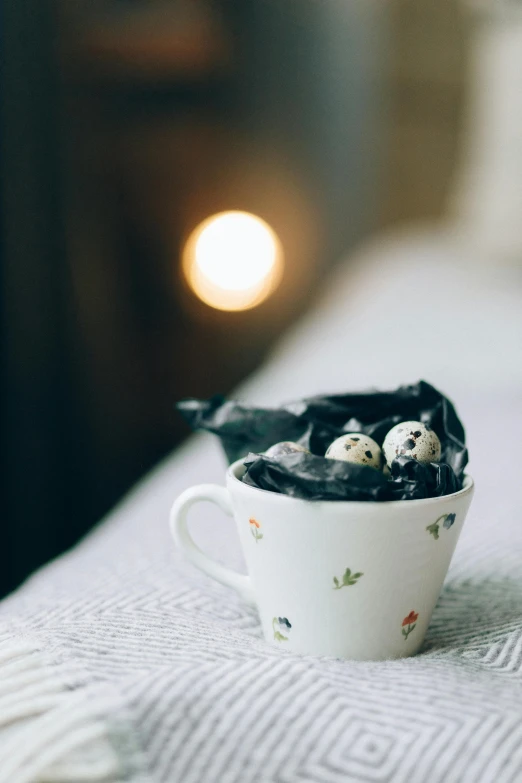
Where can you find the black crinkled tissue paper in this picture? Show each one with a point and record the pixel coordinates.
(246, 431)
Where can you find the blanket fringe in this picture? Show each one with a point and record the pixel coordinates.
(49, 731)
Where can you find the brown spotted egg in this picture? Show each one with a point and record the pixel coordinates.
(284, 447)
(356, 447)
(411, 439)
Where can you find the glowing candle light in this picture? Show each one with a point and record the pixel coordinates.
(233, 260)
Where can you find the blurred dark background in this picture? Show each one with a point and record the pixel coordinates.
(125, 123)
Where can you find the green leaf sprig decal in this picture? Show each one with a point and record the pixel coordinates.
(447, 520)
(347, 580)
(433, 530)
(281, 624)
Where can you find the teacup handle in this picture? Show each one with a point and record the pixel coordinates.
(184, 541)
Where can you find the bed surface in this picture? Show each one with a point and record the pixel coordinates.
(120, 661)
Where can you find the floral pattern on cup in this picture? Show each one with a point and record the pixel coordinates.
(347, 580)
(254, 529)
(281, 625)
(447, 521)
(409, 623)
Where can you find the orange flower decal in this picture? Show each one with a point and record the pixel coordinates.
(408, 624)
(254, 529)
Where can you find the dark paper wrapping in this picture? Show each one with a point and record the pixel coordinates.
(246, 431)
(302, 475)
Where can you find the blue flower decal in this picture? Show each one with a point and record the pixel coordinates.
(450, 519)
(281, 625)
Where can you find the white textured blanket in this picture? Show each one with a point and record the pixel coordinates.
(121, 662)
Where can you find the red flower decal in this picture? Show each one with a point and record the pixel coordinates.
(254, 522)
(411, 618)
(408, 624)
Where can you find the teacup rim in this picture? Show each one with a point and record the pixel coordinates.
(468, 486)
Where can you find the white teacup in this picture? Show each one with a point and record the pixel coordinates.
(346, 579)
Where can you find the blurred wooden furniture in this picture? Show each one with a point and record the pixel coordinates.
(487, 198)
(85, 317)
(426, 82)
(144, 43)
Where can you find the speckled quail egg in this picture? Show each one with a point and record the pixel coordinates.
(356, 447)
(284, 447)
(411, 439)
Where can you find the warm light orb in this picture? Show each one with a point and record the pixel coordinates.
(233, 260)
